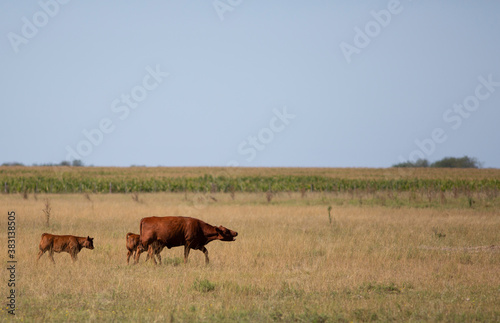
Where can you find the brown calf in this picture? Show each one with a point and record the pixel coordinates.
(135, 248)
(67, 243)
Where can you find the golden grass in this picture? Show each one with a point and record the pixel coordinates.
(287, 264)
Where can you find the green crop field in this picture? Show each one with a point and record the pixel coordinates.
(59, 179)
(314, 245)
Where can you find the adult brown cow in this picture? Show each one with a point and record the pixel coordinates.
(135, 248)
(67, 243)
(174, 231)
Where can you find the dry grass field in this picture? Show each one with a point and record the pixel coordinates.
(290, 261)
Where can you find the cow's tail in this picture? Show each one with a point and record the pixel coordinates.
(140, 233)
(128, 234)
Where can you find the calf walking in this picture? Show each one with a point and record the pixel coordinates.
(67, 243)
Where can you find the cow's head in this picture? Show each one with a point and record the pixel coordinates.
(225, 234)
(89, 243)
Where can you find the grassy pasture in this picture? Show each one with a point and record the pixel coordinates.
(371, 262)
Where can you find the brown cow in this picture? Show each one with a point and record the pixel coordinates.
(174, 231)
(135, 248)
(67, 243)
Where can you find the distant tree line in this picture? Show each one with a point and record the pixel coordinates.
(76, 163)
(447, 162)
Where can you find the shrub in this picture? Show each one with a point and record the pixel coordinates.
(203, 285)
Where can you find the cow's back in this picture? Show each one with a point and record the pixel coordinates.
(172, 231)
(64, 243)
(61, 243)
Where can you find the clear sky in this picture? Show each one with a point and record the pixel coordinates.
(249, 83)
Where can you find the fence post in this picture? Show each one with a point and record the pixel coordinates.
(110, 188)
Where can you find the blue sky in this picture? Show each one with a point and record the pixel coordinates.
(249, 83)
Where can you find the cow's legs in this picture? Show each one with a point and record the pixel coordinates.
(205, 251)
(73, 256)
(51, 255)
(186, 253)
(151, 254)
(137, 256)
(40, 254)
(129, 253)
(157, 255)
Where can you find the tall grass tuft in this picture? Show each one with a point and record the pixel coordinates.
(471, 201)
(269, 196)
(203, 285)
(232, 190)
(47, 211)
(303, 192)
(438, 233)
(135, 197)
